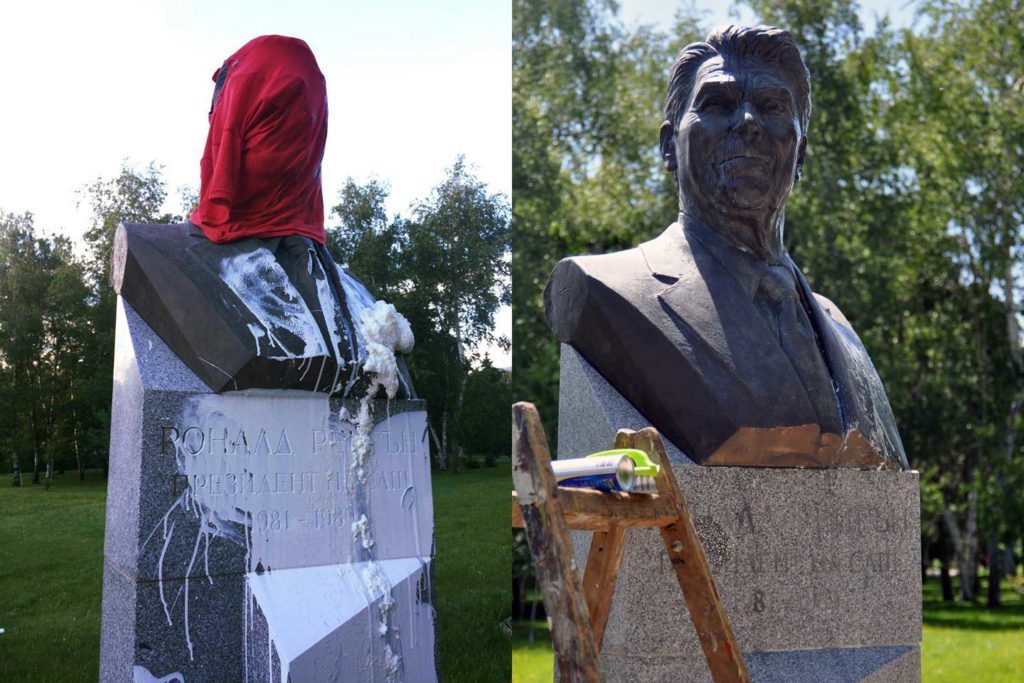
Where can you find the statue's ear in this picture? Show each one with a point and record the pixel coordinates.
(801, 151)
(668, 146)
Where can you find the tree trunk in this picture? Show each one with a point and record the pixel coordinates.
(965, 544)
(517, 597)
(970, 557)
(1010, 307)
(995, 573)
(35, 458)
(35, 446)
(79, 463)
(944, 580)
(442, 461)
(460, 395)
(444, 435)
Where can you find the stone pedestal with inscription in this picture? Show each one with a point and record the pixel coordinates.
(240, 541)
(819, 570)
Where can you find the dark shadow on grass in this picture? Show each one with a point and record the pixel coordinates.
(974, 616)
(973, 624)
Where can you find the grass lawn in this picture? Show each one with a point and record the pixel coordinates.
(961, 642)
(51, 569)
(531, 662)
(474, 572)
(967, 642)
(51, 578)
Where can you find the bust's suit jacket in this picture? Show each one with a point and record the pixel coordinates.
(670, 326)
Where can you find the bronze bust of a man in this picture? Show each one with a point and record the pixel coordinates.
(710, 329)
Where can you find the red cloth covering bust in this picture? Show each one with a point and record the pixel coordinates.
(260, 172)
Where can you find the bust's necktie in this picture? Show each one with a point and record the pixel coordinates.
(781, 300)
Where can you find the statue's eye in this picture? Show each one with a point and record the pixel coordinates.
(772, 105)
(715, 104)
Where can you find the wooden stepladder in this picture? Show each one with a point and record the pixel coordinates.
(579, 611)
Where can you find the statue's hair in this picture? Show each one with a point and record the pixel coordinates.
(766, 43)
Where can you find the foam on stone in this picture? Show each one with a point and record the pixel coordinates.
(384, 331)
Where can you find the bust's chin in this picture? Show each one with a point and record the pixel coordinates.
(746, 192)
(747, 196)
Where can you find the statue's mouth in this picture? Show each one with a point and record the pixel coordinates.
(744, 159)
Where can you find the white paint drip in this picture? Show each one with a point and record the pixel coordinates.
(391, 661)
(257, 334)
(160, 564)
(357, 300)
(331, 318)
(384, 331)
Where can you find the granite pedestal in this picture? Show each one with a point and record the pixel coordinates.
(240, 543)
(818, 570)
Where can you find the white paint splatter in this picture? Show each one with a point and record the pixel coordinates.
(391, 661)
(141, 674)
(260, 282)
(236, 442)
(357, 300)
(362, 533)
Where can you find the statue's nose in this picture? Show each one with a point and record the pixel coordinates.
(748, 123)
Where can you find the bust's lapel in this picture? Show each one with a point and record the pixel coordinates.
(863, 403)
(833, 348)
(709, 307)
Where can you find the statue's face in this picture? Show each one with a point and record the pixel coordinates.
(739, 141)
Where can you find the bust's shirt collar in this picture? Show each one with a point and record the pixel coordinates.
(747, 269)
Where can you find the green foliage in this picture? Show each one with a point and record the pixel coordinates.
(45, 336)
(365, 240)
(484, 425)
(134, 196)
(586, 108)
(532, 662)
(446, 268)
(908, 215)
